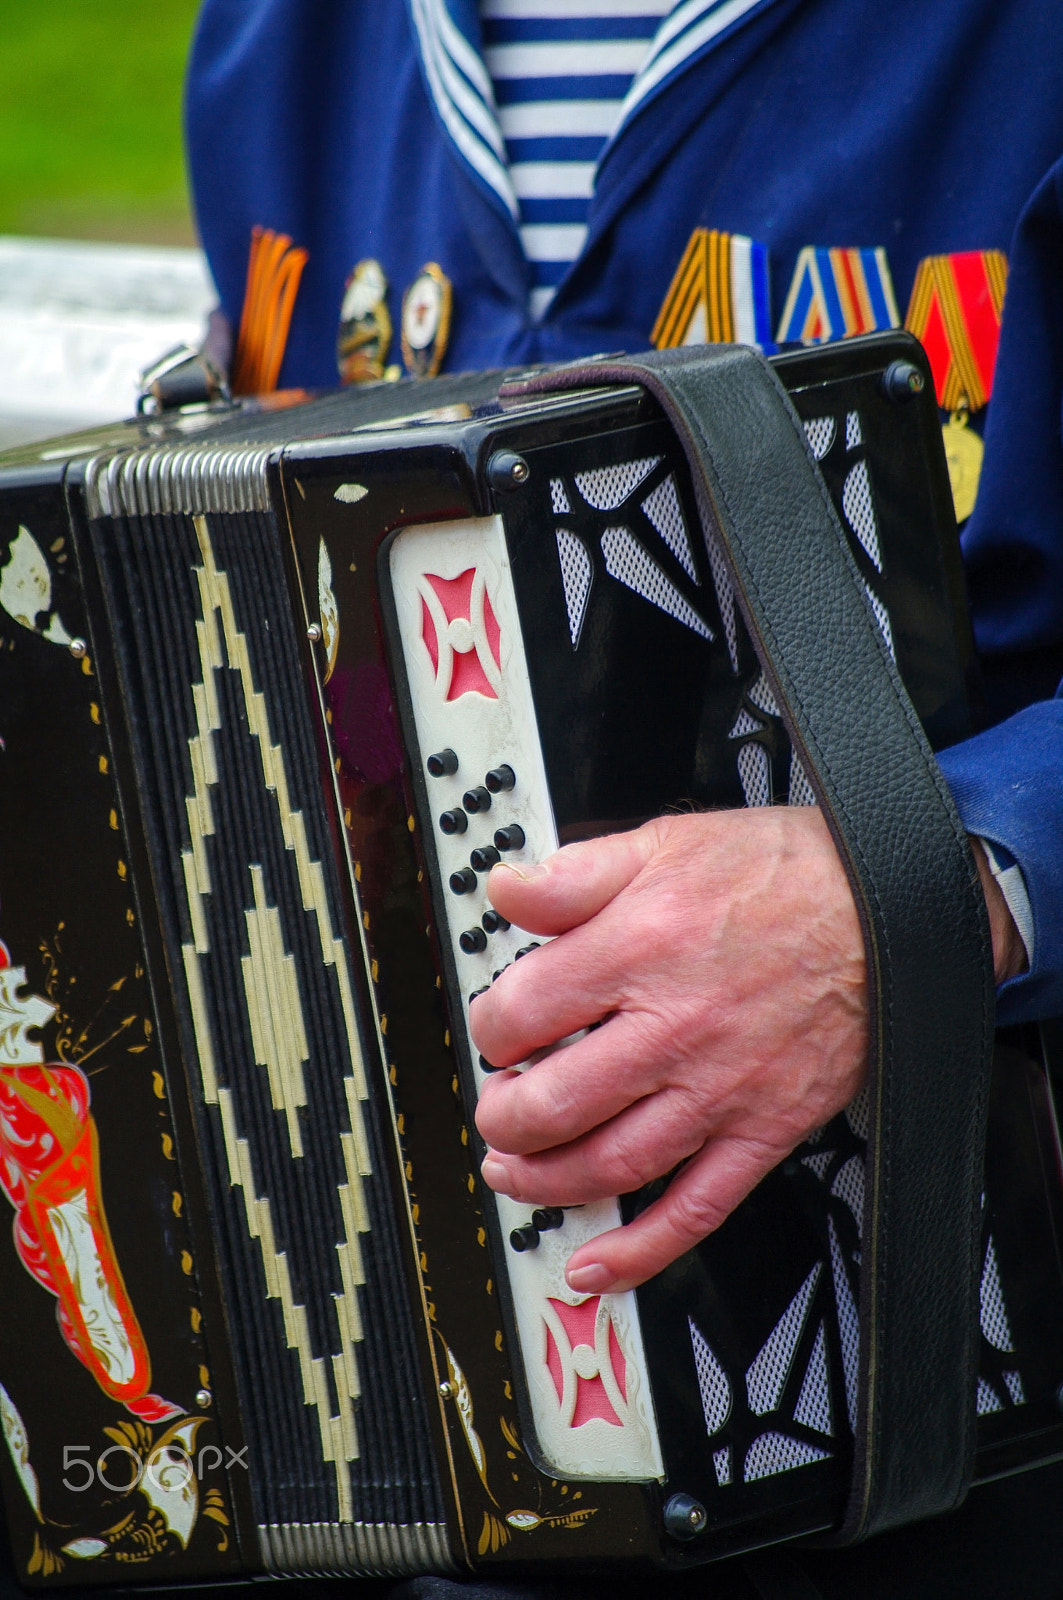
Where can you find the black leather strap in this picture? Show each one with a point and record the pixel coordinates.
(929, 955)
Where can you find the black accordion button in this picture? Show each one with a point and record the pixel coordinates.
(477, 799)
(526, 1238)
(473, 940)
(463, 881)
(500, 778)
(443, 764)
(484, 858)
(526, 950)
(454, 821)
(493, 921)
(548, 1217)
(510, 838)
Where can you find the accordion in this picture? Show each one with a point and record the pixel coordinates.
(279, 685)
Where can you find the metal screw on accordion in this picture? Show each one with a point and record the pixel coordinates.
(446, 1390)
(313, 633)
(78, 648)
(203, 1398)
(684, 1517)
(902, 381)
(507, 471)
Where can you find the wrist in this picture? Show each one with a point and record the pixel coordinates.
(1009, 952)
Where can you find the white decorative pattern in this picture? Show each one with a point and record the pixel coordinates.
(860, 511)
(858, 1111)
(627, 561)
(801, 791)
(774, 1452)
(988, 1399)
(848, 1323)
(882, 617)
(853, 432)
(818, 1162)
(994, 1316)
(754, 773)
(813, 1408)
(725, 597)
(745, 723)
(1015, 1388)
(763, 698)
(721, 1460)
(767, 1375)
(576, 575)
(558, 498)
(605, 488)
(819, 431)
(848, 1185)
(664, 511)
(712, 1381)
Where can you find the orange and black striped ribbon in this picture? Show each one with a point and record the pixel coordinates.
(274, 269)
(955, 313)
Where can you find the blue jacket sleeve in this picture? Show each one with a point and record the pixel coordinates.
(1008, 781)
(1008, 786)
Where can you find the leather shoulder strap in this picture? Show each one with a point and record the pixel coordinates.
(929, 954)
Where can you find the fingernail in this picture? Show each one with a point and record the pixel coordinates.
(594, 1278)
(526, 871)
(495, 1173)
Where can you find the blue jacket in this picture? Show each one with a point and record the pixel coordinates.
(368, 129)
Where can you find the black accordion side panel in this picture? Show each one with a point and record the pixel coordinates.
(112, 1461)
(305, 1226)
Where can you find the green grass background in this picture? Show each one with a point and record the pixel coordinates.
(90, 118)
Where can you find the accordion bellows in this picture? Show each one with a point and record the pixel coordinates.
(260, 1316)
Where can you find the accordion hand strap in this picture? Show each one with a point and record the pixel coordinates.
(929, 954)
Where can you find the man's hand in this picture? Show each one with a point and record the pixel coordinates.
(722, 956)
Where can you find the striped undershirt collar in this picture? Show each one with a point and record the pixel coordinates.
(448, 35)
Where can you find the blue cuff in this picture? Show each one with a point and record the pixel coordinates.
(1008, 786)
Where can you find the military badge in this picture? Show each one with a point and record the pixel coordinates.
(426, 321)
(955, 313)
(365, 327)
(835, 293)
(719, 294)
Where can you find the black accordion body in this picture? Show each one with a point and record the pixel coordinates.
(277, 688)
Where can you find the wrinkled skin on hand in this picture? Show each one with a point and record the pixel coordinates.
(722, 955)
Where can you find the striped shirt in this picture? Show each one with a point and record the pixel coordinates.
(561, 70)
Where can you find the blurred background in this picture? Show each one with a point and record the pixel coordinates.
(99, 271)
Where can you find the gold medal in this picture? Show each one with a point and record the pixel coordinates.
(365, 326)
(426, 321)
(963, 453)
(955, 313)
